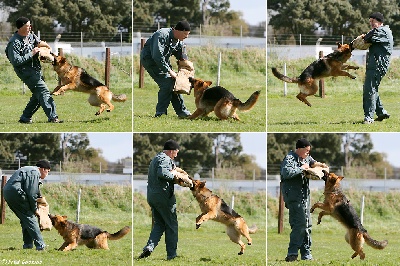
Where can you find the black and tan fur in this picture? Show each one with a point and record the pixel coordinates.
(338, 206)
(330, 65)
(75, 234)
(214, 208)
(77, 79)
(218, 99)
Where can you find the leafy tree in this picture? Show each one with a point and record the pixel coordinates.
(77, 156)
(338, 17)
(29, 147)
(325, 147)
(199, 152)
(91, 17)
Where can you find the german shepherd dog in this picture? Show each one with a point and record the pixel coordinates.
(218, 99)
(75, 234)
(338, 206)
(330, 65)
(214, 208)
(76, 78)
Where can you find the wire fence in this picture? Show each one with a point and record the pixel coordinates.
(81, 43)
(356, 172)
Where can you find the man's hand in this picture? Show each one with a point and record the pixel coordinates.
(35, 51)
(173, 74)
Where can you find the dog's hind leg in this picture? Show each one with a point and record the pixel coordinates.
(302, 97)
(234, 236)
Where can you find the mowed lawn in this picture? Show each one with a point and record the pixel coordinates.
(11, 251)
(208, 245)
(73, 108)
(145, 100)
(341, 109)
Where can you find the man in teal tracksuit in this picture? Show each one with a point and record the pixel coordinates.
(296, 194)
(161, 198)
(155, 58)
(20, 193)
(22, 52)
(378, 61)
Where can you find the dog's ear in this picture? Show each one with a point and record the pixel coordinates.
(338, 44)
(340, 177)
(191, 79)
(326, 174)
(207, 83)
(202, 184)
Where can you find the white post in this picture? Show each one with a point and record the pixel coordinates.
(200, 34)
(212, 178)
(219, 68)
(342, 39)
(241, 35)
(233, 201)
(300, 39)
(78, 209)
(362, 210)
(385, 181)
(254, 179)
(81, 43)
(284, 83)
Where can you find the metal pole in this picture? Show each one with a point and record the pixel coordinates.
(362, 210)
(81, 43)
(233, 201)
(219, 68)
(321, 81)
(78, 209)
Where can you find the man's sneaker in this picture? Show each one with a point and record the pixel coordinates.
(368, 120)
(291, 258)
(25, 121)
(382, 117)
(146, 252)
(56, 120)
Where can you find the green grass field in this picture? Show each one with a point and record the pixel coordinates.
(242, 73)
(108, 208)
(208, 245)
(72, 107)
(340, 111)
(381, 219)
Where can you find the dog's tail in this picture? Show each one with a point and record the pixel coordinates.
(249, 103)
(119, 98)
(283, 77)
(121, 233)
(374, 243)
(253, 229)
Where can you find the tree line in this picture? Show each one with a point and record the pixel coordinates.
(215, 16)
(199, 152)
(353, 151)
(336, 17)
(91, 17)
(72, 150)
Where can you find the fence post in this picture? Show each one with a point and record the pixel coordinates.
(108, 66)
(141, 74)
(3, 202)
(78, 207)
(219, 68)
(280, 210)
(321, 81)
(60, 53)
